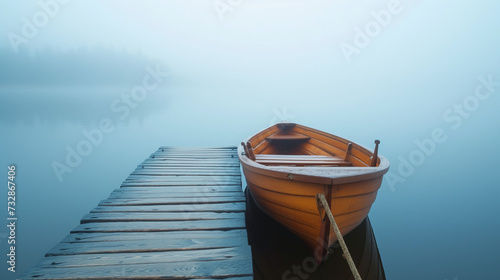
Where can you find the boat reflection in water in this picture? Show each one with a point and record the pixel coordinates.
(279, 254)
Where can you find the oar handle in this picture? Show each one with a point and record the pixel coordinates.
(373, 162)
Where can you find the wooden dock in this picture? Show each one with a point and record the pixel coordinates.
(179, 215)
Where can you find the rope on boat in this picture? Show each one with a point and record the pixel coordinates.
(321, 198)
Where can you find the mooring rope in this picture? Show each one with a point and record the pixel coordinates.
(321, 198)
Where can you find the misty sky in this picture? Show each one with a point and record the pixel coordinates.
(283, 41)
(424, 53)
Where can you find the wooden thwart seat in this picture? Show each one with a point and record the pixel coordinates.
(287, 137)
(300, 160)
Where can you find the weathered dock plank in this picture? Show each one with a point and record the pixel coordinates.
(185, 189)
(176, 173)
(153, 217)
(149, 245)
(176, 191)
(77, 260)
(174, 270)
(156, 164)
(120, 236)
(173, 163)
(185, 167)
(161, 226)
(179, 215)
(174, 194)
(183, 180)
(182, 208)
(170, 200)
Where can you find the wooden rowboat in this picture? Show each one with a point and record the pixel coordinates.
(287, 165)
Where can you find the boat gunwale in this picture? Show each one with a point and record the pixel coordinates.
(314, 174)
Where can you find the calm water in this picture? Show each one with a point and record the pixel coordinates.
(440, 223)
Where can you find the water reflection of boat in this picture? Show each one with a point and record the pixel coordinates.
(287, 164)
(279, 254)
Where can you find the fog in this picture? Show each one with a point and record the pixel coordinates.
(389, 70)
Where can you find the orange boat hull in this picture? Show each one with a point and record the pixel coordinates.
(287, 191)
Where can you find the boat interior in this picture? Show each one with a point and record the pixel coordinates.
(290, 144)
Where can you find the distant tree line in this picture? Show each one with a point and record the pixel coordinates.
(77, 67)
